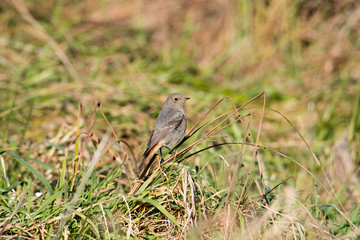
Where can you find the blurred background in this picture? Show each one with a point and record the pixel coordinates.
(130, 55)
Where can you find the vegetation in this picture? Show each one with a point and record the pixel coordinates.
(272, 146)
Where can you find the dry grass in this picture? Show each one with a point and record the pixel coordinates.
(245, 169)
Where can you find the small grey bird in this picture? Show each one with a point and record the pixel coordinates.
(168, 131)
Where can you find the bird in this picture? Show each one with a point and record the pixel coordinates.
(168, 130)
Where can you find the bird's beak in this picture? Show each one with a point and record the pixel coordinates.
(187, 98)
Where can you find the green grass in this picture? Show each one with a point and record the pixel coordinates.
(129, 56)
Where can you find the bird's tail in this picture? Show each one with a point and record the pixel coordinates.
(147, 161)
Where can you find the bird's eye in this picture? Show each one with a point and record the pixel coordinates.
(175, 99)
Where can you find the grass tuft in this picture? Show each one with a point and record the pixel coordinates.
(282, 164)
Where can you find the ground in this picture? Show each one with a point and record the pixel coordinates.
(285, 164)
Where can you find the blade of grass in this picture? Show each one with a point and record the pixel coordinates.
(77, 143)
(14, 212)
(88, 136)
(33, 170)
(91, 223)
(160, 208)
(11, 187)
(84, 181)
(45, 204)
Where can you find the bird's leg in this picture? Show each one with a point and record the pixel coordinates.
(160, 169)
(161, 152)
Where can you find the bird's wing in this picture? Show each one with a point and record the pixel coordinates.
(161, 132)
